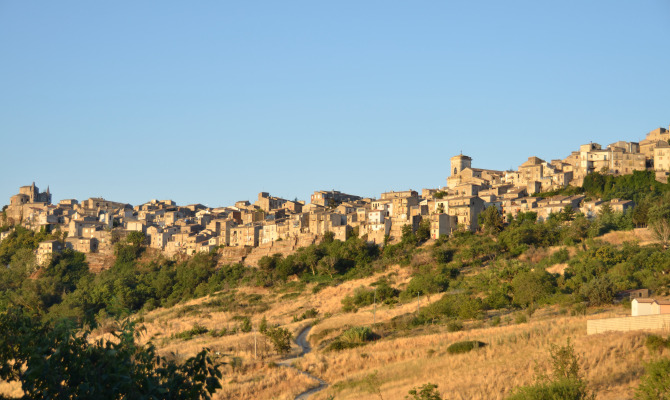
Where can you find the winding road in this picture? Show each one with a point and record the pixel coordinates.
(305, 348)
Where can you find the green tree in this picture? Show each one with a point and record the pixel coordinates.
(423, 232)
(263, 326)
(491, 220)
(280, 338)
(531, 287)
(61, 363)
(568, 213)
(598, 291)
(245, 326)
(136, 238)
(408, 236)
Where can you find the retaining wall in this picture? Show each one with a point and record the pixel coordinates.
(625, 324)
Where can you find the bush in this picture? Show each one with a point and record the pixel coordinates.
(454, 326)
(656, 343)
(425, 392)
(352, 337)
(365, 296)
(464, 346)
(564, 382)
(559, 389)
(520, 318)
(196, 330)
(655, 383)
(245, 326)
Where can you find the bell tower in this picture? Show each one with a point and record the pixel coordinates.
(459, 163)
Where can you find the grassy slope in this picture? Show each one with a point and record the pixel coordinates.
(612, 363)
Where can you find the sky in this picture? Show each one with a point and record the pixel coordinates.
(214, 101)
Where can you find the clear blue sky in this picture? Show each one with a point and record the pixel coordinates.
(213, 102)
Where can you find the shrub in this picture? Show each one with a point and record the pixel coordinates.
(656, 343)
(520, 318)
(425, 392)
(196, 330)
(464, 346)
(655, 383)
(564, 382)
(245, 326)
(454, 326)
(558, 389)
(352, 337)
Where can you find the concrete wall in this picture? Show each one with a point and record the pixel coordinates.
(625, 324)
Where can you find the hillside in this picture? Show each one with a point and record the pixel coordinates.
(382, 320)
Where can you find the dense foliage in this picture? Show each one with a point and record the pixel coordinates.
(57, 362)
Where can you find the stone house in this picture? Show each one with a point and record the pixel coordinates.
(466, 209)
(328, 197)
(245, 235)
(619, 205)
(268, 203)
(46, 250)
(442, 224)
(82, 244)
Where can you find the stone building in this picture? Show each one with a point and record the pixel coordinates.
(46, 251)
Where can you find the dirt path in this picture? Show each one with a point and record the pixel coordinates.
(305, 348)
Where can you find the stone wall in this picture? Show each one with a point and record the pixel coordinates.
(625, 324)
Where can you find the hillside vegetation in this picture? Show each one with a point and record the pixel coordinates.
(475, 314)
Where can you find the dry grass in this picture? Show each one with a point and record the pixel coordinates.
(641, 236)
(611, 362)
(557, 268)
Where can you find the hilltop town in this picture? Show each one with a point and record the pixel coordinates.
(245, 231)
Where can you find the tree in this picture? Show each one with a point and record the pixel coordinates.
(280, 338)
(531, 286)
(655, 383)
(423, 233)
(568, 213)
(61, 363)
(136, 238)
(661, 229)
(263, 326)
(598, 291)
(408, 235)
(491, 220)
(245, 326)
(425, 392)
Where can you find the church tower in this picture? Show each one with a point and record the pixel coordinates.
(459, 163)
